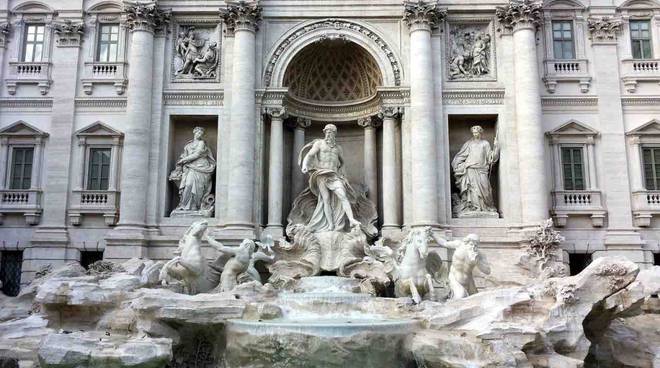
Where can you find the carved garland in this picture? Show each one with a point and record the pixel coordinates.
(336, 25)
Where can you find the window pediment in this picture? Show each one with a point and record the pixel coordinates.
(22, 129)
(99, 129)
(652, 128)
(105, 7)
(564, 5)
(33, 7)
(640, 4)
(573, 129)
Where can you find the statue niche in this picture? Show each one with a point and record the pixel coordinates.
(193, 177)
(196, 55)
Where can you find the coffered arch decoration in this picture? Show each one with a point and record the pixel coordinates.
(310, 32)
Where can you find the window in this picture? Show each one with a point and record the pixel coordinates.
(34, 42)
(21, 168)
(562, 39)
(577, 262)
(651, 160)
(11, 262)
(573, 168)
(640, 35)
(99, 169)
(108, 43)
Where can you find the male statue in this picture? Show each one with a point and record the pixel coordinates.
(324, 162)
(466, 257)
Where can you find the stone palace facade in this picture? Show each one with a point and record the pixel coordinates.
(99, 98)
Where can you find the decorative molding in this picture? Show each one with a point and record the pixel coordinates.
(101, 103)
(276, 112)
(193, 98)
(241, 15)
(422, 15)
(520, 14)
(569, 101)
(343, 112)
(390, 112)
(68, 33)
(653, 101)
(145, 16)
(604, 30)
(473, 97)
(332, 24)
(26, 104)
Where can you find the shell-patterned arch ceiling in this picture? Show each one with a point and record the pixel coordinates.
(333, 71)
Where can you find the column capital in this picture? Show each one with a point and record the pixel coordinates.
(276, 112)
(68, 33)
(241, 16)
(422, 15)
(520, 14)
(604, 30)
(369, 122)
(145, 16)
(300, 123)
(390, 112)
(5, 29)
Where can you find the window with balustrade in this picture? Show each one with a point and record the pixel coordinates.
(575, 188)
(33, 42)
(21, 167)
(96, 191)
(563, 40)
(640, 38)
(651, 163)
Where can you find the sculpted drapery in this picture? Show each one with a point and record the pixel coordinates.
(472, 166)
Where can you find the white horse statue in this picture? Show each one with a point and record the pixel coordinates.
(414, 267)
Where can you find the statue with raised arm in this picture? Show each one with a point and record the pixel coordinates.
(193, 176)
(472, 167)
(329, 203)
(466, 257)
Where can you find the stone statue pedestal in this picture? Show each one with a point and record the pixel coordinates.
(478, 214)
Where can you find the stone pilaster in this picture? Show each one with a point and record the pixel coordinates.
(621, 238)
(243, 18)
(370, 125)
(5, 29)
(390, 175)
(421, 17)
(522, 17)
(276, 171)
(297, 177)
(142, 19)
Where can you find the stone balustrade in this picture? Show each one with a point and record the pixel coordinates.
(635, 71)
(27, 202)
(104, 73)
(29, 73)
(574, 70)
(98, 202)
(567, 203)
(646, 204)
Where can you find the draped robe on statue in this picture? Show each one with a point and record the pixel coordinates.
(472, 172)
(308, 207)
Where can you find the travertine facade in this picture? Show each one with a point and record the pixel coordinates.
(99, 98)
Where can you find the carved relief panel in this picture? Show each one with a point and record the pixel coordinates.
(196, 53)
(470, 51)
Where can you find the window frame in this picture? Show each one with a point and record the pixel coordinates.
(641, 40)
(100, 42)
(11, 166)
(562, 40)
(88, 163)
(26, 42)
(643, 147)
(583, 152)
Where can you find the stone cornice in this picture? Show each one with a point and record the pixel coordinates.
(101, 104)
(422, 15)
(473, 97)
(145, 16)
(241, 16)
(520, 14)
(604, 30)
(28, 104)
(193, 98)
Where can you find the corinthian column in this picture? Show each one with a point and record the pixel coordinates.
(142, 19)
(370, 157)
(391, 195)
(242, 17)
(421, 17)
(276, 171)
(522, 17)
(297, 177)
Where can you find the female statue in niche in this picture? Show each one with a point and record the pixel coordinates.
(193, 175)
(472, 167)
